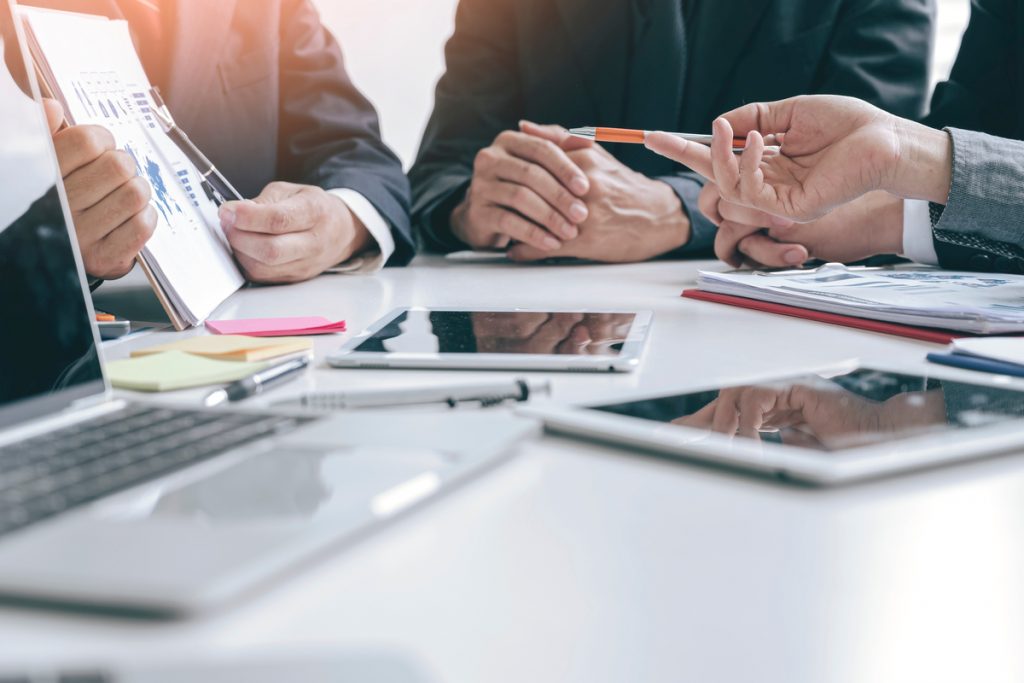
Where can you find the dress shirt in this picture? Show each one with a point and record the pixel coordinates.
(370, 261)
(918, 244)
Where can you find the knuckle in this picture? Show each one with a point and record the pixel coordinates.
(520, 196)
(121, 165)
(269, 252)
(95, 141)
(485, 159)
(278, 222)
(137, 194)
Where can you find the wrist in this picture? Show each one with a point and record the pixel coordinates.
(352, 236)
(924, 167)
(671, 214)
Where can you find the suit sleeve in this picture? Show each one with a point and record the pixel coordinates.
(980, 228)
(979, 94)
(330, 134)
(880, 52)
(477, 98)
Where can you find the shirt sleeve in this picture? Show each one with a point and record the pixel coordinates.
(373, 260)
(918, 244)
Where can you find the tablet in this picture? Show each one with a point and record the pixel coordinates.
(828, 427)
(512, 339)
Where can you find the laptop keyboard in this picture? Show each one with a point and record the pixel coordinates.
(47, 475)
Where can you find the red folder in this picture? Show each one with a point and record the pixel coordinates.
(927, 334)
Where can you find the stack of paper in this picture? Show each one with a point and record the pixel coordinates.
(90, 64)
(925, 297)
(233, 348)
(276, 327)
(173, 370)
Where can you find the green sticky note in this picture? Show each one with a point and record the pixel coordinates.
(176, 370)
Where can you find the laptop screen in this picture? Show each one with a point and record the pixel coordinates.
(48, 355)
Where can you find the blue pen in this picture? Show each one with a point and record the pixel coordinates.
(965, 362)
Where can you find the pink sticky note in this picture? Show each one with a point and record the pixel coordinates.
(276, 327)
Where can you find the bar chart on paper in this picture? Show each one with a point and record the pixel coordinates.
(94, 66)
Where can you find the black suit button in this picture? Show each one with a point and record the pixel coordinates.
(981, 262)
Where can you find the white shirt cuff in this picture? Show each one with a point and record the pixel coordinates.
(918, 244)
(377, 227)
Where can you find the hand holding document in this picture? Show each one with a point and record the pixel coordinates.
(90, 65)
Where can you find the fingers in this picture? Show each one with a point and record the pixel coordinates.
(278, 211)
(90, 184)
(708, 203)
(769, 252)
(54, 114)
(114, 255)
(127, 201)
(270, 250)
(526, 253)
(79, 146)
(724, 164)
(730, 236)
(556, 134)
(764, 117)
(519, 229)
(691, 154)
(547, 155)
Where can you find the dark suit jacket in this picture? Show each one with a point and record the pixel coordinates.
(261, 87)
(985, 93)
(629, 63)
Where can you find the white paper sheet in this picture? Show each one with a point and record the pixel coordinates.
(927, 297)
(103, 83)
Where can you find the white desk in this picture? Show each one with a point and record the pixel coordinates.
(575, 562)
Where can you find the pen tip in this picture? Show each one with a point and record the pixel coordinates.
(585, 132)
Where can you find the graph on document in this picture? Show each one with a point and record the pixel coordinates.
(106, 101)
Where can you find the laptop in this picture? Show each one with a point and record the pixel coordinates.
(157, 509)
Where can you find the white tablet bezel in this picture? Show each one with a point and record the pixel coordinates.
(789, 462)
(627, 361)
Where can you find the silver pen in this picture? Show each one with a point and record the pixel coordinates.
(257, 382)
(485, 394)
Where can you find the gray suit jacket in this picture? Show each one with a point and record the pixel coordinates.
(982, 227)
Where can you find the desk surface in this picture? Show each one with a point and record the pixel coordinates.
(577, 562)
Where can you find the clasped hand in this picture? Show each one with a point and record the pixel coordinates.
(542, 193)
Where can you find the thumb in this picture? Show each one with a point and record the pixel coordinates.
(54, 114)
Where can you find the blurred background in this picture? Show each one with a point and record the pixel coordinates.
(400, 82)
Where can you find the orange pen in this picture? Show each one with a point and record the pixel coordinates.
(638, 137)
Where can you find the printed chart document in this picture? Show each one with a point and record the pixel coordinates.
(91, 65)
(977, 303)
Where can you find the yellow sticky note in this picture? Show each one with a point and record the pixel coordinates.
(234, 347)
(173, 370)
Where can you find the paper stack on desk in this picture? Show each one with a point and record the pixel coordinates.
(233, 348)
(173, 370)
(975, 303)
(89, 63)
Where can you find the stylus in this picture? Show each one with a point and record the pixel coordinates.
(485, 394)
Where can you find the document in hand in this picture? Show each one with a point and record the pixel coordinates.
(89, 63)
(975, 303)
